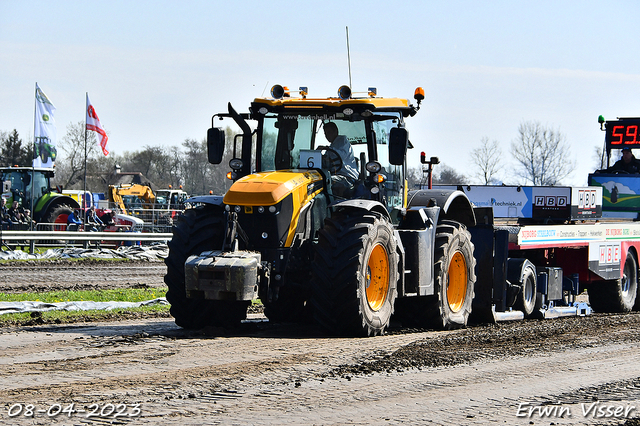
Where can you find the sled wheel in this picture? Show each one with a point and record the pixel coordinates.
(616, 295)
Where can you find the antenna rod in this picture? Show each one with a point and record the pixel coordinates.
(349, 58)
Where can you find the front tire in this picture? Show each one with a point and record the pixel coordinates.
(198, 230)
(355, 274)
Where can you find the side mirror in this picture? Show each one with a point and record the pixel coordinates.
(215, 145)
(398, 142)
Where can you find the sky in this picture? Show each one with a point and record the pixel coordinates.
(156, 71)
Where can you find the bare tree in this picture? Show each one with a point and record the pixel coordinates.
(195, 168)
(487, 158)
(70, 165)
(599, 158)
(414, 177)
(543, 155)
(445, 175)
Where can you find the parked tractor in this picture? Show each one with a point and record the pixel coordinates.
(32, 187)
(291, 233)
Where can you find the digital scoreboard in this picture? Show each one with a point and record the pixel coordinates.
(623, 133)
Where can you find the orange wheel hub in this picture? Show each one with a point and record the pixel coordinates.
(377, 277)
(457, 282)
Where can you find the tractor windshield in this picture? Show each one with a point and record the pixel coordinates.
(284, 138)
(21, 186)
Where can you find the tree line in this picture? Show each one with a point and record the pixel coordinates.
(185, 165)
(541, 154)
(542, 158)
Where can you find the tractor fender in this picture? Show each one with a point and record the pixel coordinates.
(368, 205)
(50, 204)
(454, 205)
(214, 200)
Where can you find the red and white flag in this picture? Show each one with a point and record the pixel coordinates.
(93, 123)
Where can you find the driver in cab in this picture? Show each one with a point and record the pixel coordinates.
(345, 178)
(627, 164)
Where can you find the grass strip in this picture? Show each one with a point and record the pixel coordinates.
(113, 295)
(64, 317)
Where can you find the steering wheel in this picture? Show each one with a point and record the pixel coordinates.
(332, 159)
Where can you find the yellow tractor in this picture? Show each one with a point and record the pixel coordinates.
(319, 237)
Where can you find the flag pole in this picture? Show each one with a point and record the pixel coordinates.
(33, 158)
(84, 191)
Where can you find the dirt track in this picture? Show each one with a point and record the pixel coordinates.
(79, 275)
(286, 374)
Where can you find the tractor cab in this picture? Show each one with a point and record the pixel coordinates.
(291, 135)
(21, 184)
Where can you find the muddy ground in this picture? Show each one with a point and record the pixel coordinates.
(554, 372)
(82, 274)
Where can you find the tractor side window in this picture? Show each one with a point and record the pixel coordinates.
(269, 139)
(394, 184)
(40, 185)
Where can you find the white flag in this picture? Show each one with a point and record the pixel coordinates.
(93, 123)
(44, 153)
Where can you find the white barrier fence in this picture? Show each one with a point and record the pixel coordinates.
(84, 236)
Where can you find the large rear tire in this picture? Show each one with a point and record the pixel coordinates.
(58, 216)
(616, 295)
(454, 280)
(196, 231)
(355, 274)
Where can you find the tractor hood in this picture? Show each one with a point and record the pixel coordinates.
(269, 188)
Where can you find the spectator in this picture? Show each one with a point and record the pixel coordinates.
(16, 214)
(627, 164)
(93, 220)
(73, 223)
(5, 221)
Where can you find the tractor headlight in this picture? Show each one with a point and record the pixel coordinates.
(373, 167)
(236, 164)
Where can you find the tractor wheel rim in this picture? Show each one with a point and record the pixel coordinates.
(377, 278)
(457, 282)
(60, 222)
